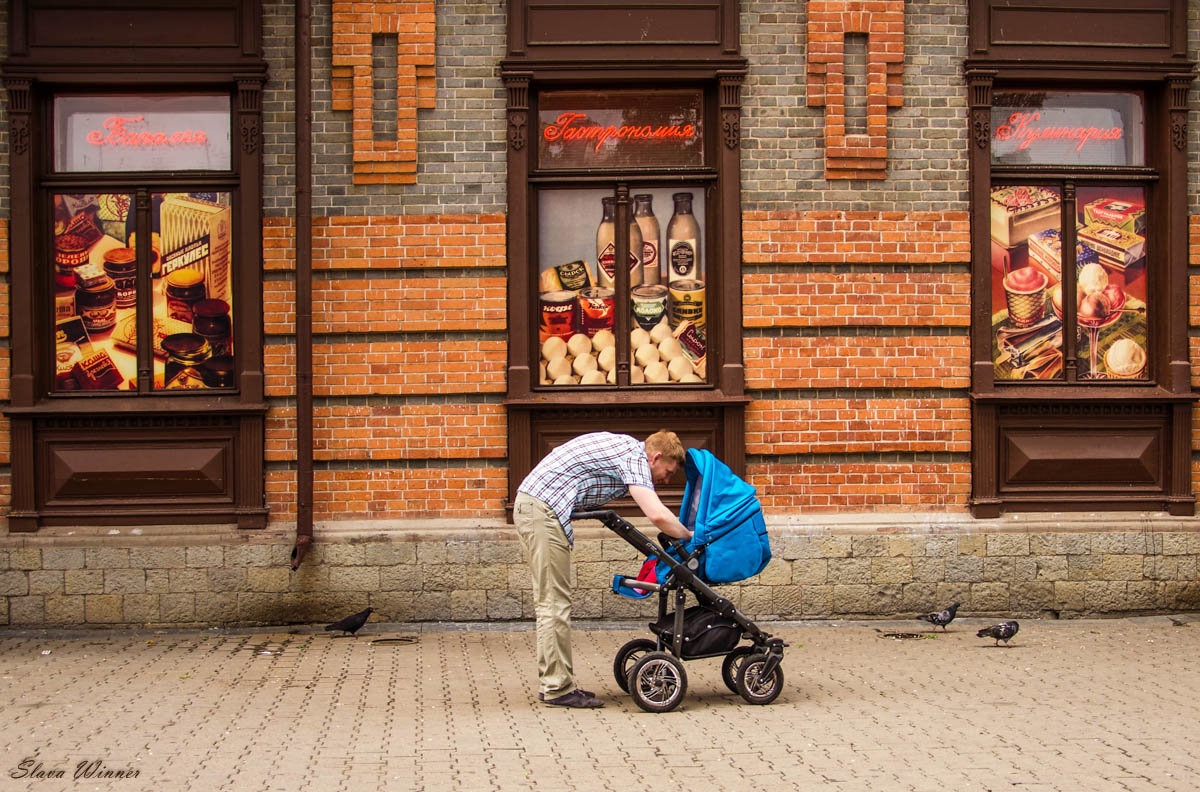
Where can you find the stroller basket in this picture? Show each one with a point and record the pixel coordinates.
(706, 633)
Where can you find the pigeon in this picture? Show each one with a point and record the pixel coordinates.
(1000, 632)
(942, 617)
(351, 624)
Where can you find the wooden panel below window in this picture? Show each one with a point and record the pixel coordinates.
(146, 472)
(534, 432)
(1073, 455)
(1088, 458)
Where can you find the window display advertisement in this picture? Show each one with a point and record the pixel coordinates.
(96, 254)
(1108, 282)
(577, 283)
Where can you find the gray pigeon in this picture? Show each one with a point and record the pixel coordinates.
(351, 624)
(941, 618)
(1000, 632)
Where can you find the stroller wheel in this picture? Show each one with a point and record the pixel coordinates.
(753, 686)
(732, 663)
(627, 655)
(658, 682)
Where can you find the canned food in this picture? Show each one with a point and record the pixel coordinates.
(558, 316)
(687, 303)
(649, 305)
(596, 310)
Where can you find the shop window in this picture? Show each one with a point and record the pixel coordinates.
(97, 294)
(663, 283)
(1097, 309)
(106, 275)
(1081, 392)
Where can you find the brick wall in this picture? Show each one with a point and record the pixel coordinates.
(409, 282)
(856, 293)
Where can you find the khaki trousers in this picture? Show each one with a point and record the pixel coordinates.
(548, 554)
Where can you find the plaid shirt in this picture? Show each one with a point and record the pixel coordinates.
(586, 473)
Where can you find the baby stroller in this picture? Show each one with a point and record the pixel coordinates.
(729, 543)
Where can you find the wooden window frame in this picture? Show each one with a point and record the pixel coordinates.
(117, 458)
(1094, 446)
(692, 44)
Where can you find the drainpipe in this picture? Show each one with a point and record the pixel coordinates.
(304, 393)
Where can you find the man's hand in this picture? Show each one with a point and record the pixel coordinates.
(654, 509)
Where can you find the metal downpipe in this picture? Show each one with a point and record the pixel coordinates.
(304, 391)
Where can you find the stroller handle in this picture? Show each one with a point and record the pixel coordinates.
(606, 516)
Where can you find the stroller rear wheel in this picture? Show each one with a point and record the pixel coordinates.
(658, 682)
(627, 655)
(753, 686)
(732, 664)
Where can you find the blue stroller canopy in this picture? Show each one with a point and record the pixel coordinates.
(727, 526)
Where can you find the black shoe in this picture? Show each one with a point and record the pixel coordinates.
(576, 699)
(542, 696)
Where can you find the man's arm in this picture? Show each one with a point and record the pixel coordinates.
(648, 501)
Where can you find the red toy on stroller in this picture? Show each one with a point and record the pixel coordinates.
(729, 543)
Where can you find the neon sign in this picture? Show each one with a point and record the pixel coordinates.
(573, 128)
(1021, 127)
(114, 133)
(118, 134)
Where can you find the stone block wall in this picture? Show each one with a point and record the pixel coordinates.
(844, 568)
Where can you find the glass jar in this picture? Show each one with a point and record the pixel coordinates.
(217, 371)
(121, 265)
(186, 352)
(211, 321)
(184, 288)
(97, 305)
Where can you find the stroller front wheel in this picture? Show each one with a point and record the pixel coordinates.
(658, 682)
(627, 655)
(753, 686)
(732, 664)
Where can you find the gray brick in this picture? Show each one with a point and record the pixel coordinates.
(14, 583)
(106, 558)
(158, 557)
(62, 558)
(46, 582)
(25, 558)
(124, 581)
(207, 556)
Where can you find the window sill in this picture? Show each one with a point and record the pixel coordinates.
(641, 396)
(145, 405)
(1082, 393)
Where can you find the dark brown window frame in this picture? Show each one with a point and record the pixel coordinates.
(694, 44)
(1086, 446)
(168, 458)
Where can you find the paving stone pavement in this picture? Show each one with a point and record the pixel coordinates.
(1086, 705)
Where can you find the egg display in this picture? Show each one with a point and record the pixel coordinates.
(553, 347)
(657, 358)
(656, 373)
(645, 355)
(584, 364)
(579, 344)
(607, 358)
